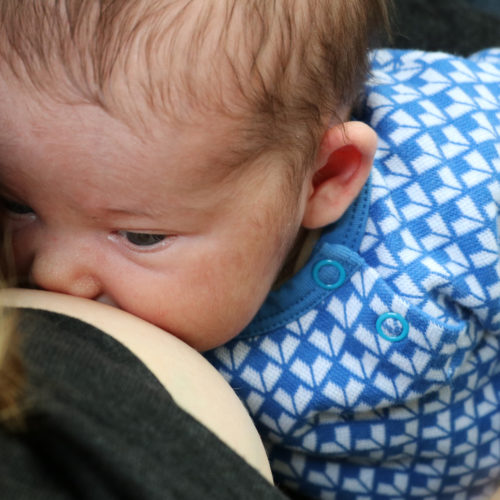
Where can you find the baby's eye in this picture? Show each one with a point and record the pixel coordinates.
(16, 208)
(142, 239)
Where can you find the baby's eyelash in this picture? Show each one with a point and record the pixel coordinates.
(142, 239)
(15, 207)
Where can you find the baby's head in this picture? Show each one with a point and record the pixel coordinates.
(163, 155)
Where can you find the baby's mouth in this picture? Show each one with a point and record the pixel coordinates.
(106, 299)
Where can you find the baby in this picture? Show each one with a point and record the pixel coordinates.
(194, 162)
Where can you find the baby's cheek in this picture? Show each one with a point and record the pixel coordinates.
(18, 259)
(18, 245)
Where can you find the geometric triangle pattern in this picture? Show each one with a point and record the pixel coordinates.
(374, 373)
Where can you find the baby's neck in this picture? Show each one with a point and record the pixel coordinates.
(298, 255)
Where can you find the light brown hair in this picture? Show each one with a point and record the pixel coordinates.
(285, 66)
(11, 371)
(12, 376)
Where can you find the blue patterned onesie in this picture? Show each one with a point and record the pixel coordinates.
(374, 373)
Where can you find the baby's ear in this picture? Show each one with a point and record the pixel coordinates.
(342, 168)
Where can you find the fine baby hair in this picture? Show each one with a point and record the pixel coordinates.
(286, 67)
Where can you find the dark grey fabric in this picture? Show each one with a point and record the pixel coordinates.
(456, 26)
(100, 426)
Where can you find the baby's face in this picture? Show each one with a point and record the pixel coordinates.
(153, 226)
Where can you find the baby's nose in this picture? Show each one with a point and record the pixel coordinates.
(58, 268)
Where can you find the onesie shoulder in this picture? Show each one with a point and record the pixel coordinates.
(433, 231)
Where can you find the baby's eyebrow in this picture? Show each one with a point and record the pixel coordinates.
(149, 210)
(126, 212)
(8, 137)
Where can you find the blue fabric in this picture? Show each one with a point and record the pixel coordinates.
(348, 413)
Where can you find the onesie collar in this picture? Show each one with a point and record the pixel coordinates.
(336, 253)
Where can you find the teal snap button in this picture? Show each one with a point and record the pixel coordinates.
(329, 274)
(392, 326)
